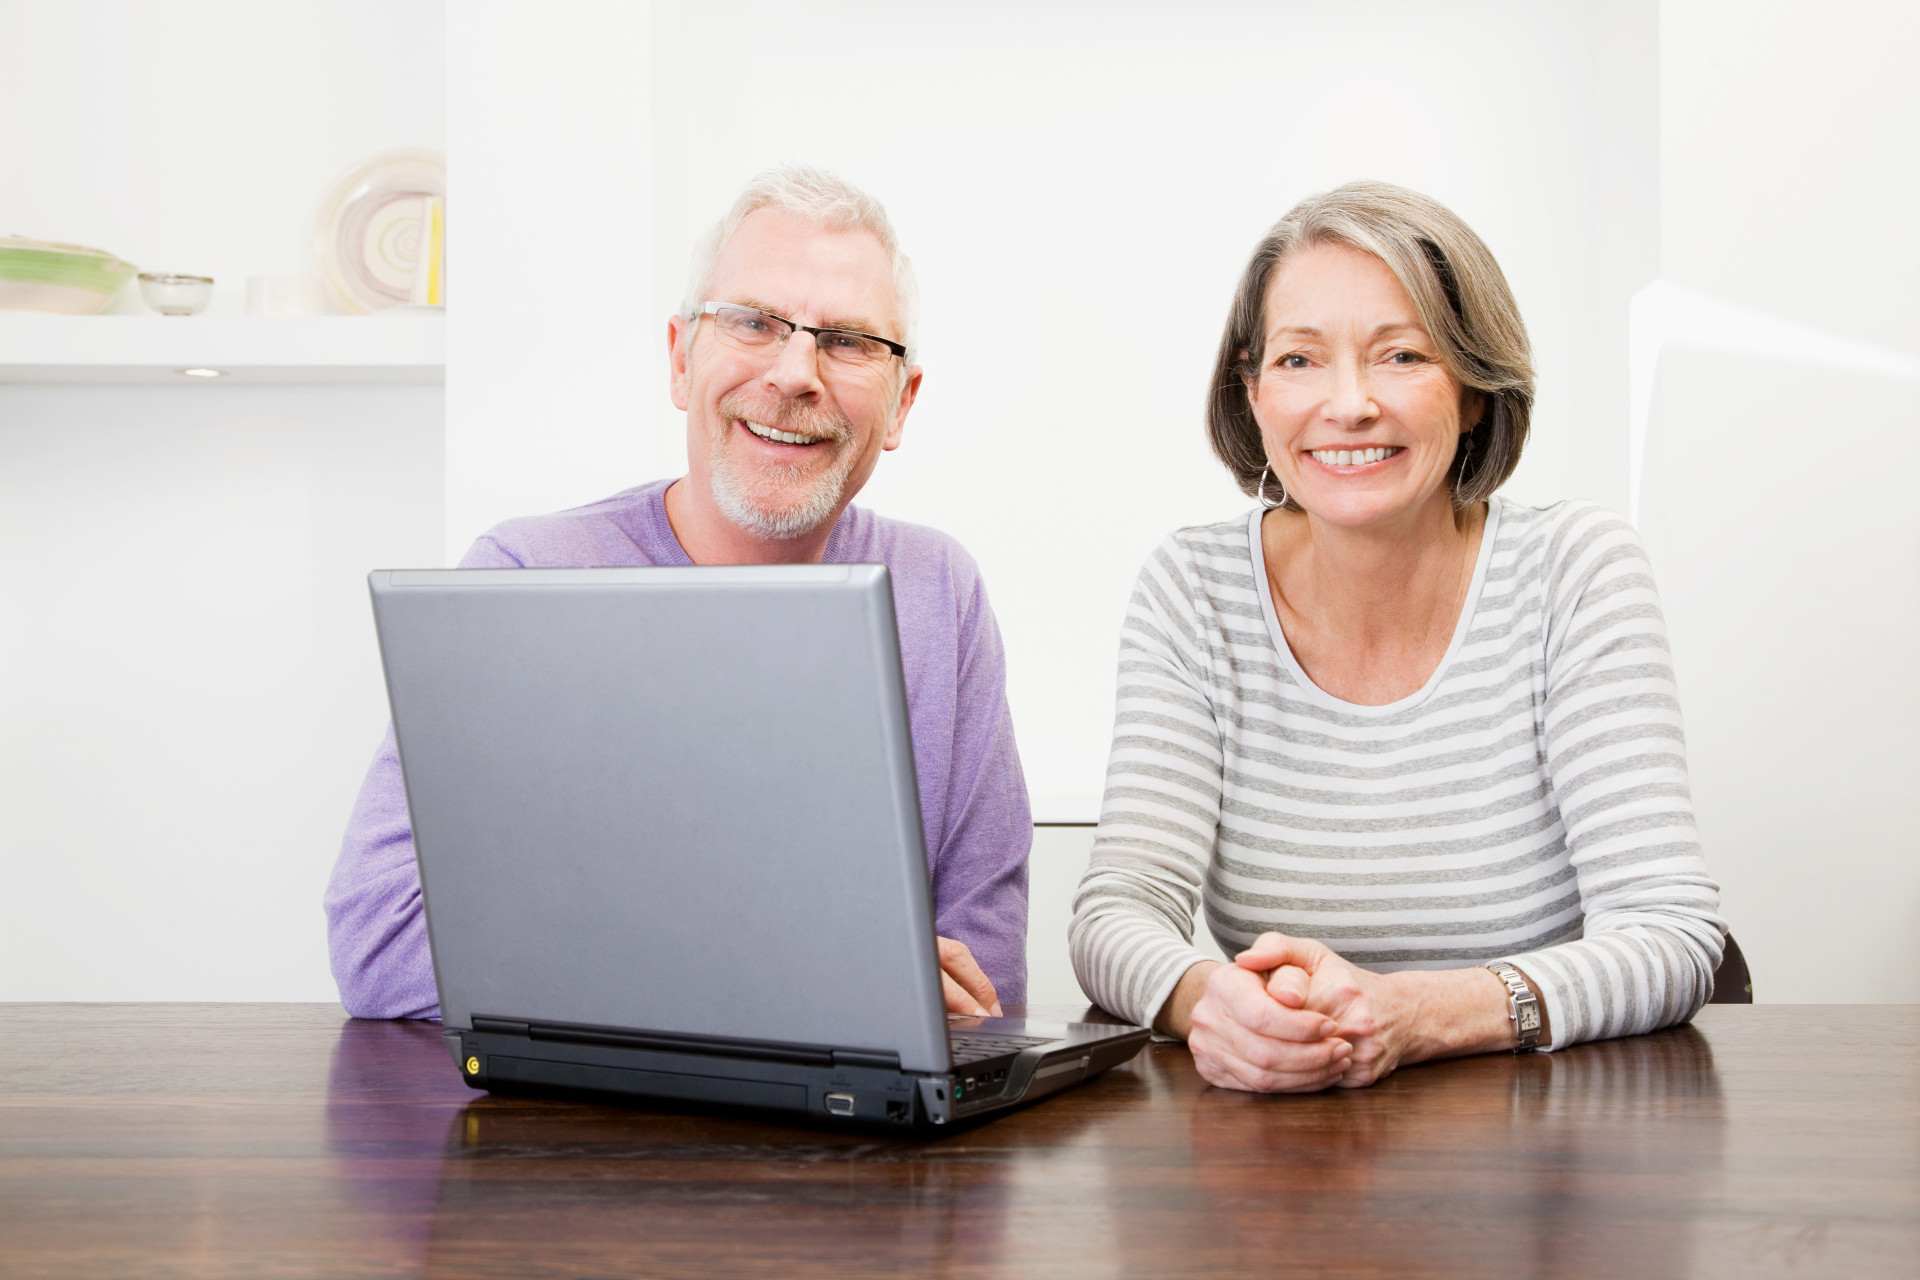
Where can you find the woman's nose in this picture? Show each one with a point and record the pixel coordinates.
(1350, 398)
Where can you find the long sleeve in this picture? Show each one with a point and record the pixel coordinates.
(1615, 755)
(980, 855)
(376, 925)
(376, 929)
(1133, 916)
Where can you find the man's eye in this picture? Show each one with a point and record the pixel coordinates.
(840, 341)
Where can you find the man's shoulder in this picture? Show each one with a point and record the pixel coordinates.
(912, 552)
(614, 531)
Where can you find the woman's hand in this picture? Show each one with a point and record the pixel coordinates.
(1244, 1038)
(966, 986)
(1376, 1013)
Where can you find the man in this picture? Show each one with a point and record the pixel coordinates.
(792, 358)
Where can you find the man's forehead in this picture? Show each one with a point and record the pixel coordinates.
(799, 268)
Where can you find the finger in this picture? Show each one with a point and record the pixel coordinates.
(1244, 999)
(959, 999)
(958, 964)
(1288, 984)
(1279, 1057)
(1231, 1071)
(1271, 950)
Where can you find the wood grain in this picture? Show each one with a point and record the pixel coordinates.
(287, 1140)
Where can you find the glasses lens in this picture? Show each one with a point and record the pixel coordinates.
(750, 328)
(847, 348)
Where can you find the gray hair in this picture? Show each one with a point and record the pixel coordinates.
(818, 196)
(1458, 291)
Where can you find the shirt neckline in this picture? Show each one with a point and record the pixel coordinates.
(1461, 627)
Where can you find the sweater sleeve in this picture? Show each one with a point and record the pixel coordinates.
(1616, 759)
(376, 927)
(1131, 937)
(980, 871)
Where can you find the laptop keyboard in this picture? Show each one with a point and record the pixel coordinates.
(966, 1046)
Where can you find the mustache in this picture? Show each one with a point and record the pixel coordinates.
(790, 415)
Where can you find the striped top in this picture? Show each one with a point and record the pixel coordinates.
(1529, 804)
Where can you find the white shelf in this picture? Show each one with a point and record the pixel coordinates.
(247, 349)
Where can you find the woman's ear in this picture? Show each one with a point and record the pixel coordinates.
(1473, 407)
(1248, 376)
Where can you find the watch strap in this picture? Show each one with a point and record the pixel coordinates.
(1523, 1006)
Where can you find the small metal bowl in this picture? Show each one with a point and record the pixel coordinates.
(173, 295)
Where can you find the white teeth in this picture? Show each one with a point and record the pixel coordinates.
(784, 437)
(1352, 457)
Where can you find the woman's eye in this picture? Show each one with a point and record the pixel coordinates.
(1407, 357)
(1295, 361)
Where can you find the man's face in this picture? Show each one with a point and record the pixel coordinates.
(783, 438)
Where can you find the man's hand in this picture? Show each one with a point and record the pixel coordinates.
(968, 989)
(1375, 1014)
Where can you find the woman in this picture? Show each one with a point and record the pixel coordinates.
(1416, 747)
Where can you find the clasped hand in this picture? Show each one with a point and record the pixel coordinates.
(1289, 1015)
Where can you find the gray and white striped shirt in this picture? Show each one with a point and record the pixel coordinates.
(1530, 803)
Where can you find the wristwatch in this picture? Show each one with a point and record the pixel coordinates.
(1523, 1007)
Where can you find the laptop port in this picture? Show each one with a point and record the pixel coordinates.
(899, 1111)
(840, 1104)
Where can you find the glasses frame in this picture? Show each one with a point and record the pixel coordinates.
(711, 308)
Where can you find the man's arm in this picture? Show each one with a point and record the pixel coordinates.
(376, 929)
(980, 866)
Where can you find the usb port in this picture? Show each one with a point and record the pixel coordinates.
(840, 1104)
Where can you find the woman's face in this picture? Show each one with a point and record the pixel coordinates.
(1359, 417)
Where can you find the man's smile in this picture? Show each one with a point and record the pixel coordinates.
(774, 433)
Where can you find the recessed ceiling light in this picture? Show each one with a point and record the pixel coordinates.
(203, 373)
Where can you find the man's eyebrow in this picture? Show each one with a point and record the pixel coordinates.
(854, 323)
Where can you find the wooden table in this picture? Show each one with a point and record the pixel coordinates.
(285, 1140)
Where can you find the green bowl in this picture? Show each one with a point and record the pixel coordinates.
(66, 279)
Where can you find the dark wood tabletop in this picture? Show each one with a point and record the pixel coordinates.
(287, 1140)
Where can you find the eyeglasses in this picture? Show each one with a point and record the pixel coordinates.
(752, 329)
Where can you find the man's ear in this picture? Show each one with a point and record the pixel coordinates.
(677, 353)
(909, 390)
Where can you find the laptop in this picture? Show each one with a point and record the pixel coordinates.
(670, 847)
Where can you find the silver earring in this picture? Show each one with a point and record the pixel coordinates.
(1271, 506)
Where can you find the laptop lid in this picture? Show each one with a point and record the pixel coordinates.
(671, 800)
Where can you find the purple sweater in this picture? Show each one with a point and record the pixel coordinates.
(973, 799)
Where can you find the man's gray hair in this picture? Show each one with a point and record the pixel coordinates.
(821, 197)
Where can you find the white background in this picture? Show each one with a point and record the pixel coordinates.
(1079, 186)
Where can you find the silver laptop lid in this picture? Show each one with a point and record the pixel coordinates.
(676, 800)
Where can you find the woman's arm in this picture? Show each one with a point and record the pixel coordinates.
(1132, 932)
(1616, 758)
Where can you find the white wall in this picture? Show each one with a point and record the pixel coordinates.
(1079, 185)
(1778, 503)
(189, 689)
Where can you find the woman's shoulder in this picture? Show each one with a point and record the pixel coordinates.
(1203, 555)
(1570, 552)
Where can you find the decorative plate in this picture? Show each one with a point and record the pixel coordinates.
(368, 236)
(69, 279)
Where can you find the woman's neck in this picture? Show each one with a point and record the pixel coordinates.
(1370, 612)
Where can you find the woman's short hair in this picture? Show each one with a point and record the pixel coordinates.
(1458, 290)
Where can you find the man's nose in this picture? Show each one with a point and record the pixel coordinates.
(795, 372)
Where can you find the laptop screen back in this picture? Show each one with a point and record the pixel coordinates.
(670, 800)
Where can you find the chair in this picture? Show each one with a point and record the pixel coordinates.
(1732, 984)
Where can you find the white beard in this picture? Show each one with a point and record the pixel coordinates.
(762, 500)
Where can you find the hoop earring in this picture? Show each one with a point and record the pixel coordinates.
(1262, 492)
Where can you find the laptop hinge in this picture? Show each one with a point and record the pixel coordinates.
(659, 1041)
(886, 1060)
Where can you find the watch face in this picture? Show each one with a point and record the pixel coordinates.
(1529, 1018)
